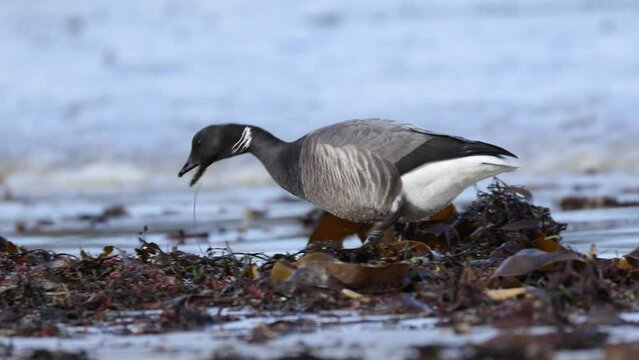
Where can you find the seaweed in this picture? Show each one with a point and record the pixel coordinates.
(500, 261)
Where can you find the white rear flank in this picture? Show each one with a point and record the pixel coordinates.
(432, 186)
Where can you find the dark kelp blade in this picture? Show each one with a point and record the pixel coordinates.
(353, 276)
(330, 228)
(528, 260)
(633, 257)
(8, 246)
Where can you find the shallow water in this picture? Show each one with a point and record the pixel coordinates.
(265, 219)
(255, 220)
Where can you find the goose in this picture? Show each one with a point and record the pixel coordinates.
(366, 171)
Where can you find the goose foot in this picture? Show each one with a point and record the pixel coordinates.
(375, 234)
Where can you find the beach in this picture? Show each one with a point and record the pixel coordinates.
(99, 102)
(266, 221)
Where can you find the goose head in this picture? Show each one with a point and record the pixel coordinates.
(214, 143)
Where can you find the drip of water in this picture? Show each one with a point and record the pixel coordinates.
(197, 190)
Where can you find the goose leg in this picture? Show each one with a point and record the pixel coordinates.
(375, 234)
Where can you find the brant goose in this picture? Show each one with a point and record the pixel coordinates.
(369, 170)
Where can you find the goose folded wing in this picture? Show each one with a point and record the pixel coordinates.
(444, 147)
(404, 145)
(389, 139)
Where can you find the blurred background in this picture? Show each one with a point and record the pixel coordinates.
(105, 95)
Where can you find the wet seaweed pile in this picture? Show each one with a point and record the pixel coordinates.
(498, 262)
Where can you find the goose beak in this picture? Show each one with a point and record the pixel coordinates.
(186, 168)
(190, 166)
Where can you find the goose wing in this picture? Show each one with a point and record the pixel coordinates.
(403, 145)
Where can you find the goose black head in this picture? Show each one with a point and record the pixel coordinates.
(214, 143)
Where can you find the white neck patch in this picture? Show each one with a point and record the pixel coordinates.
(245, 141)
